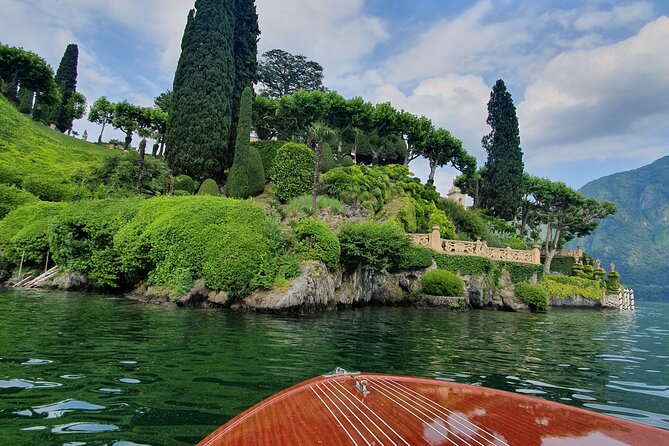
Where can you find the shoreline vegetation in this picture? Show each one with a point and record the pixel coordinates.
(313, 214)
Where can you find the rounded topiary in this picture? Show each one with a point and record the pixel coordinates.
(327, 159)
(441, 282)
(318, 242)
(293, 171)
(184, 183)
(209, 187)
(347, 161)
(533, 295)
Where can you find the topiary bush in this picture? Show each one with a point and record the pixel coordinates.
(467, 222)
(12, 197)
(440, 282)
(375, 246)
(327, 159)
(184, 183)
(415, 257)
(268, 151)
(209, 187)
(533, 295)
(437, 217)
(316, 241)
(293, 171)
(564, 286)
(347, 161)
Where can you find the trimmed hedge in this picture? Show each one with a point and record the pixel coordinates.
(316, 241)
(209, 187)
(184, 183)
(521, 272)
(563, 286)
(415, 257)
(347, 161)
(293, 171)
(533, 295)
(375, 246)
(12, 198)
(563, 265)
(464, 265)
(327, 159)
(440, 282)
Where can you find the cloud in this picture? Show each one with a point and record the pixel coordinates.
(585, 101)
(619, 16)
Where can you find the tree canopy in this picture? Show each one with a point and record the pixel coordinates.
(19, 67)
(101, 112)
(281, 73)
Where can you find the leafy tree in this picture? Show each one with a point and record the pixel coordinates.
(442, 148)
(27, 69)
(264, 117)
(128, 118)
(282, 73)
(247, 176)
(25, 98)
(318, 132)
(245, 51)
(501, 191)
(75, 108)
(417, 130)
(66, 79)
(470, 183)
(164, 101)
(198, 127)
(566, 213)
(101, 112)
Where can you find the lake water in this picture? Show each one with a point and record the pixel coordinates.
(92, 370)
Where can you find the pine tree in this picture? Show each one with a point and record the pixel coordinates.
(66, 79)
(199, 121)
(247, 176)
(502, 187)
(245, 57)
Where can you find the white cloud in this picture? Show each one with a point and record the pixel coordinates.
(585, 101)
(619, 16)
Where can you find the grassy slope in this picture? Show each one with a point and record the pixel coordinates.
(637, 237)
(28, 148)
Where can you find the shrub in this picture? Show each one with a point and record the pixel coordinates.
(209, 187)
(438, 218)
(440, 282)
(415, 257)
(302, 205)
(12, 197)
(464, 265)
(369, 187)
(316, 241)
(521, 272)
(374, 245)
(184, 183)
(268, 151)
(563, 265)
(117, 177)
(402, 212)
(327, 159)
(50, 187)
(467, 222)
(347, 161)
(293, 171)
(564, 286)
(613, 283)
(533, 295)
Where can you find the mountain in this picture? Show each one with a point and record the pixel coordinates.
(637, 237)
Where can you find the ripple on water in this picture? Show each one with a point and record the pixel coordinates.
(37, 362)
(57, 410)
(13, 385)
(109, 390)
(83, 428)
(128, 380)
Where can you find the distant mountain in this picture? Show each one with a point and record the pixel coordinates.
(637, 237)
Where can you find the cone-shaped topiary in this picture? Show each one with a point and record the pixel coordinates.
(209, 187)
(247, 175)
(292, 171)
(328, 161)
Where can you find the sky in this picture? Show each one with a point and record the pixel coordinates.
(589, 78)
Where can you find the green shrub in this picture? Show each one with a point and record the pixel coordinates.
(293, 171)
(360, 185)
(184, 183)
(301, 206)
(415, 257)
(117, 177)
(374, 245)
(564, 286)
(467, 222)
(316, 241)
(209, 187)
(268, 151)
(48, 187)
(613, 283)
(347, 161)
(327, 159)
(440, 282)
(533, 295)
(563, 265)
(27, 229)
(521, 272)
(403, 212)
(437, 217)
(12, 197)
(464, 265)
(577, 270)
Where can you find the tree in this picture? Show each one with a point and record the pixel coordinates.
(75, 108)
(25, 98)
(245, 51)
(416, 130)
(27, 69)
(282, 73)
(198, 127)
(128, 118)
(163, 103)
(66, 79)
(101, 112)
(502, 190)
(247, 176)
(264, 117)
(318, 132)
(442, 148)
(566, 213)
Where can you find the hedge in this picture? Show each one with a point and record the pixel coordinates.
(440, 282)
(316, 241)
(563, 286)
(209, 187)
(533, 295)
(268, 151)
(375, 246)
(415, 257)
(184, 183)
(293, 171)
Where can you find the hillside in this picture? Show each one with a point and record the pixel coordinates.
(637, 238)
(42, 161)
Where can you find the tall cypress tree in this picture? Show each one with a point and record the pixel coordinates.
(247, 175)
(502, 187)
(198, 127)
(245, 56)
(66, 79)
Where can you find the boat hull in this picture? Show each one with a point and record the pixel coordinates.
(371, 409)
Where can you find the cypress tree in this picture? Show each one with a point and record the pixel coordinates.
(247, 175)
(502, 187)
(245, 57)
(66, 79)
(198, 128)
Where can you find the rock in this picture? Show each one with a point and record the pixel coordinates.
(460, 303)
(221, 299)
(195, 297)
(388, 294)
(72, 282)
(575, 302)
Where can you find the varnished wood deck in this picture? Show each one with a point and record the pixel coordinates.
(411, 411)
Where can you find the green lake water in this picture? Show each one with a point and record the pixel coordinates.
(93, 370)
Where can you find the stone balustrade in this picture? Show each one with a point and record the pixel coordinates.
(477, 248)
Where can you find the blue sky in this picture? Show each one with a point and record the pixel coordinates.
(590, 78)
